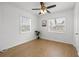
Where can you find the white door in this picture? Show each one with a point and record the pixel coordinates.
(77, 35)
(76, 26)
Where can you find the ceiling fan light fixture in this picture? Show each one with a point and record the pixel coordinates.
(43, 8)
(43, 11)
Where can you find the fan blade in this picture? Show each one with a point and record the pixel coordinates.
(48, 11)
(36, 9)
(39, 13)
(51, 6)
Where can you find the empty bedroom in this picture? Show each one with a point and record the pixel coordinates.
(39, 29)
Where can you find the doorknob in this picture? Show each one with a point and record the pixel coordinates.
(77, 33)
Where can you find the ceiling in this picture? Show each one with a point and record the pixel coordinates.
(60, 6)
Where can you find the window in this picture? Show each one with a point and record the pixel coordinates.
(57, 25)
(25, 24)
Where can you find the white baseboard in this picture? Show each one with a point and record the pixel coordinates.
(57, 41)
(15, 45)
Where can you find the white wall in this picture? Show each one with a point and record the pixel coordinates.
(10, 35)
(66, 37)
(0, 21)
(1, 10)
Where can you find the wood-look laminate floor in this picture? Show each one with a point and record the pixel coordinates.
(41, 48)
